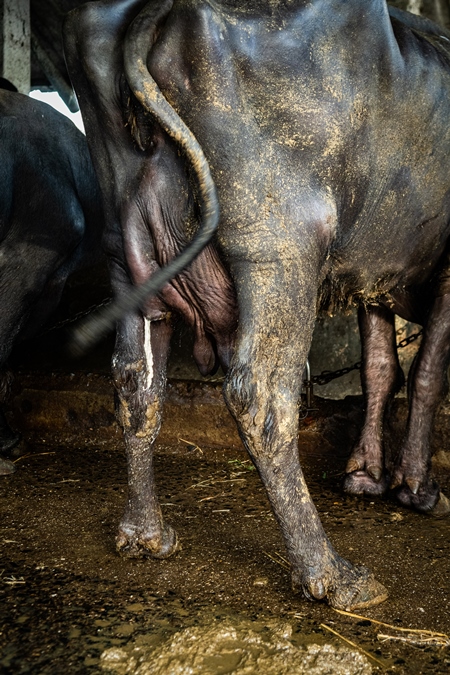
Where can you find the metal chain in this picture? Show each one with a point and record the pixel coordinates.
(327, 376)
(411, 338)
(72, 319)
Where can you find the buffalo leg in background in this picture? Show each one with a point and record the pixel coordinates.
(411, 481)
(381, 376)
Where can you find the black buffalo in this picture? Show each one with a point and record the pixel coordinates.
(51, 221)
(326, 128)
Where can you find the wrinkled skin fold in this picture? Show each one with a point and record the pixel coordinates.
(331, 169)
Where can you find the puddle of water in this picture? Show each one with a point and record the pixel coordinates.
(234, 646)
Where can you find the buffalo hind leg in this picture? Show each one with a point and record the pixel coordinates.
(411, 481)
(262, 390)
(381, 377)
(139, 371)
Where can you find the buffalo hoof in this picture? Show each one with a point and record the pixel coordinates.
(6, 467)
(430, 502)
(362, 483)
(426, 499)
(134, 543)
(347, 588)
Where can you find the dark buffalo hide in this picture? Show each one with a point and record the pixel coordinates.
(326, 128)
(51, 221)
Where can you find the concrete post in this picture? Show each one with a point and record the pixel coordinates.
(15, 43)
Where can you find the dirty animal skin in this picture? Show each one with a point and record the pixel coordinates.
(325, 125)
(51, 221)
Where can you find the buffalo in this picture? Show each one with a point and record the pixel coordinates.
(322, 130)
(51, 222)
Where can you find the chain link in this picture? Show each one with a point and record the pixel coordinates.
(327, 376)
(411, 338)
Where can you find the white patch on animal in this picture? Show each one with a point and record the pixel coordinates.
(148, 353)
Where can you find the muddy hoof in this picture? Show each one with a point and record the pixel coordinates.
(346, 588)
(132, 543)
(6, 467)
(363, 591)
(361, 483)
(425, 498)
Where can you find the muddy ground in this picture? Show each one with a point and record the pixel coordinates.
(66, 596)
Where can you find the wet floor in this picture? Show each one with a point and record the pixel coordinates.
(69, 603)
